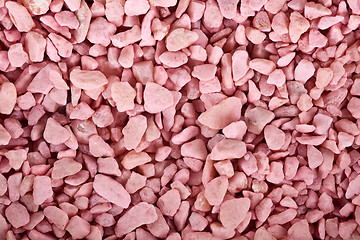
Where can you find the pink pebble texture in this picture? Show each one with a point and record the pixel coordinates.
(179, 119)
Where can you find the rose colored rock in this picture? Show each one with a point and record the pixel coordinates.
(221, 114)
(353, 107)
(17, 215)
(65, 167)
(133, 159)
(180, 38)
(194, 149)
(134, 131)
(7, 98)
(20, 16)
(54, 133)
(228, 149)
(216, 189)
(123, 95)
(169, 203)
(109, 166)
(87, 80)
(173, 59)
(42, 189)
(78, 227)
(136, 7)
(157, 98)
(262, 66)
(233, 212)
(56, 216)
(111, 190)
(204, 72)
(274, 137)
(257, 118)
(99, 148)
(140, 214)
(298, 25)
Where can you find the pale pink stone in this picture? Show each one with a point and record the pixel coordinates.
(325, 203)
(20, 16)
(228, 149)
(354, 107)
(100, 31)
(305, 102)
(276, 174)
(123, 95)
(298, 25)
(159, 228)
(240, 64)
(109, 166)
(355, 88)
(78, 227)
(262, 66)
(194, 149)
(274, 6)
(88, 80)
(315, 157)
(233, 212)
(215, 190)
(280, 23)
(211, 86)
(163, 3)
(283, 217)
(37, 7)
(169, 203)
(257, 118)
(222, 114)
(65, 167)
(352, 189)
(136, 7)
(63, 46)
(173, 59)
(323, 77)
(180, 38)
(277, 77)
(212, 18)
(7, 97)
(42, 189)
(17, 56)
(99, 148)
(304, 70)
(300, 230)
(134, 131)
(235, 130)
(3, 185)
(274, 137)
(140, 214)
(143, 71)
(240, 36)
(127, 37)
(133, 159)
(111, 190)
(204, 72)
(82, 111)
(198, 53)
(56, 216)
(254, 35)
(17, 215)
(197, 222)
(54, 133)
(228, 8)
(263, 209)
(262, 233)
(67, 19)
(327, 21)
(315, 10)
